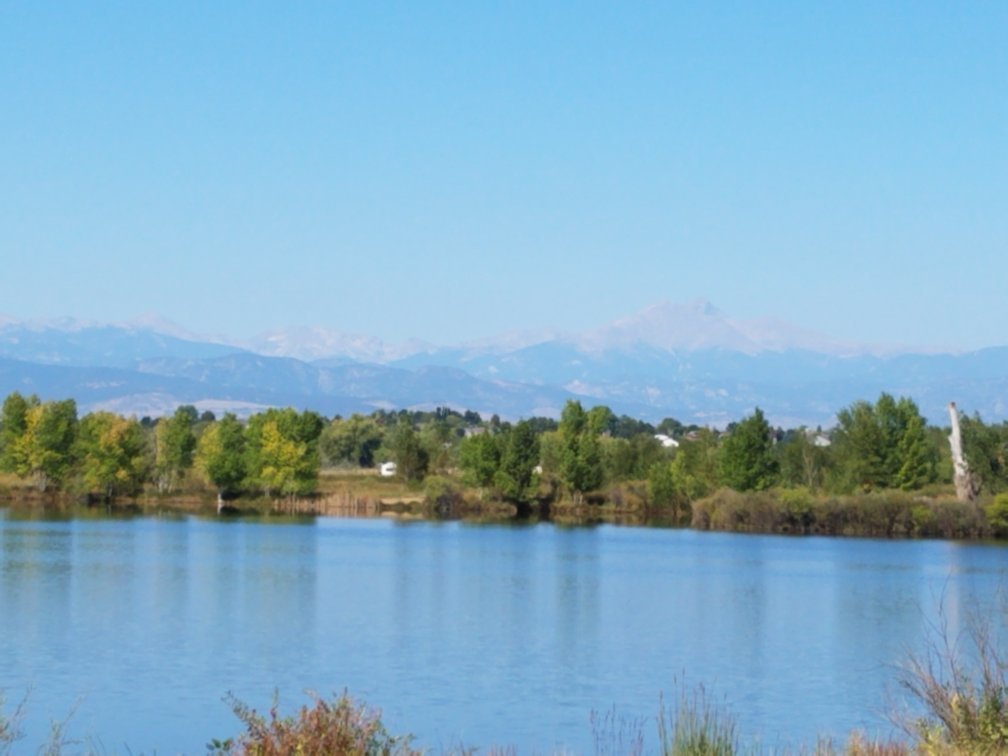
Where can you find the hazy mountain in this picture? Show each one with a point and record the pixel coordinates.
(83, 344)
(666, 326)
(690, 361)
(698, 326)
(314, 343)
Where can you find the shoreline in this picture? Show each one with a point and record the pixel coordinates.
(890, 515)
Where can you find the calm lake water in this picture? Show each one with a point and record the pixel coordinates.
(479, 634)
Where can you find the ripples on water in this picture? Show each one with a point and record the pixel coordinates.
(485, 635)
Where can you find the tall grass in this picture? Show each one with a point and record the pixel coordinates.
(696, 726)
(616, 735)
(960, 685)
(10, 726)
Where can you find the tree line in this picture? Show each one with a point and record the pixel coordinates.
(883, 445)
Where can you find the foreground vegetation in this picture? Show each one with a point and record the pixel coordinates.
(882, 471)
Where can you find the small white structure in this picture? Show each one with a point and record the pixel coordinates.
(387, 469)
(666, 441)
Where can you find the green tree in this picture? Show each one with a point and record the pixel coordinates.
(860, 447)
(174, 445)
(885, 445)
(696, 464)
(220, 455)
(630, 427)
(601, 420)
(517, 478)
(986, 450)
(802, 462)
(45, 451)
(581, 455)
(666, 490)
(281, 452)
(747, 460)
(351, 441)
(671, 427)
(480, 460)
(630, 458)
(113, 454)
(916, 456)
(13, 424)
(438, 439)
(551, 446)
(408, 452)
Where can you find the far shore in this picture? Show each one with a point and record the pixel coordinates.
(364, 494)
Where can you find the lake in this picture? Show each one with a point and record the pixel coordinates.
(476, 634)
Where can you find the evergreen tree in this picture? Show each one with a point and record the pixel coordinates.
(581, 455)
(747, 460)
(916, 456)
(517, 477)
(860, 447)
(884, 446)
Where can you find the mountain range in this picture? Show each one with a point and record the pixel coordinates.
(688, 361)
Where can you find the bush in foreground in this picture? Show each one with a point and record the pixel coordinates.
(329, 727)
(961, 683)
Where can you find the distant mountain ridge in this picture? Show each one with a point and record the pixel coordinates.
(688, 361)
(694, 326)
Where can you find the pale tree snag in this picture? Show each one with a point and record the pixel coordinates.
(965, 483)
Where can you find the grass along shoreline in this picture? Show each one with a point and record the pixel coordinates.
(933, 513)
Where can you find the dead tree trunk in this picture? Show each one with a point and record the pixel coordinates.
(965, 483)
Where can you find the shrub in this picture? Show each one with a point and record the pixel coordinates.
(700, 517)
(965, 703)
(922, 520)
(443, 494)
(796, 511)
(997, 515)
(958, 519)
(829, 516)
(341, 726)
(728, 510)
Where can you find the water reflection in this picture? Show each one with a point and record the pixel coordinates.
(482, 634)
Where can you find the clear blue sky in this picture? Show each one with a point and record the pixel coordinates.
(449, 171)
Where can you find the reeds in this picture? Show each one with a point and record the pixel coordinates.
(696, 726)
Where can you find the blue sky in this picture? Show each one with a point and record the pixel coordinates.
(450, 171)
